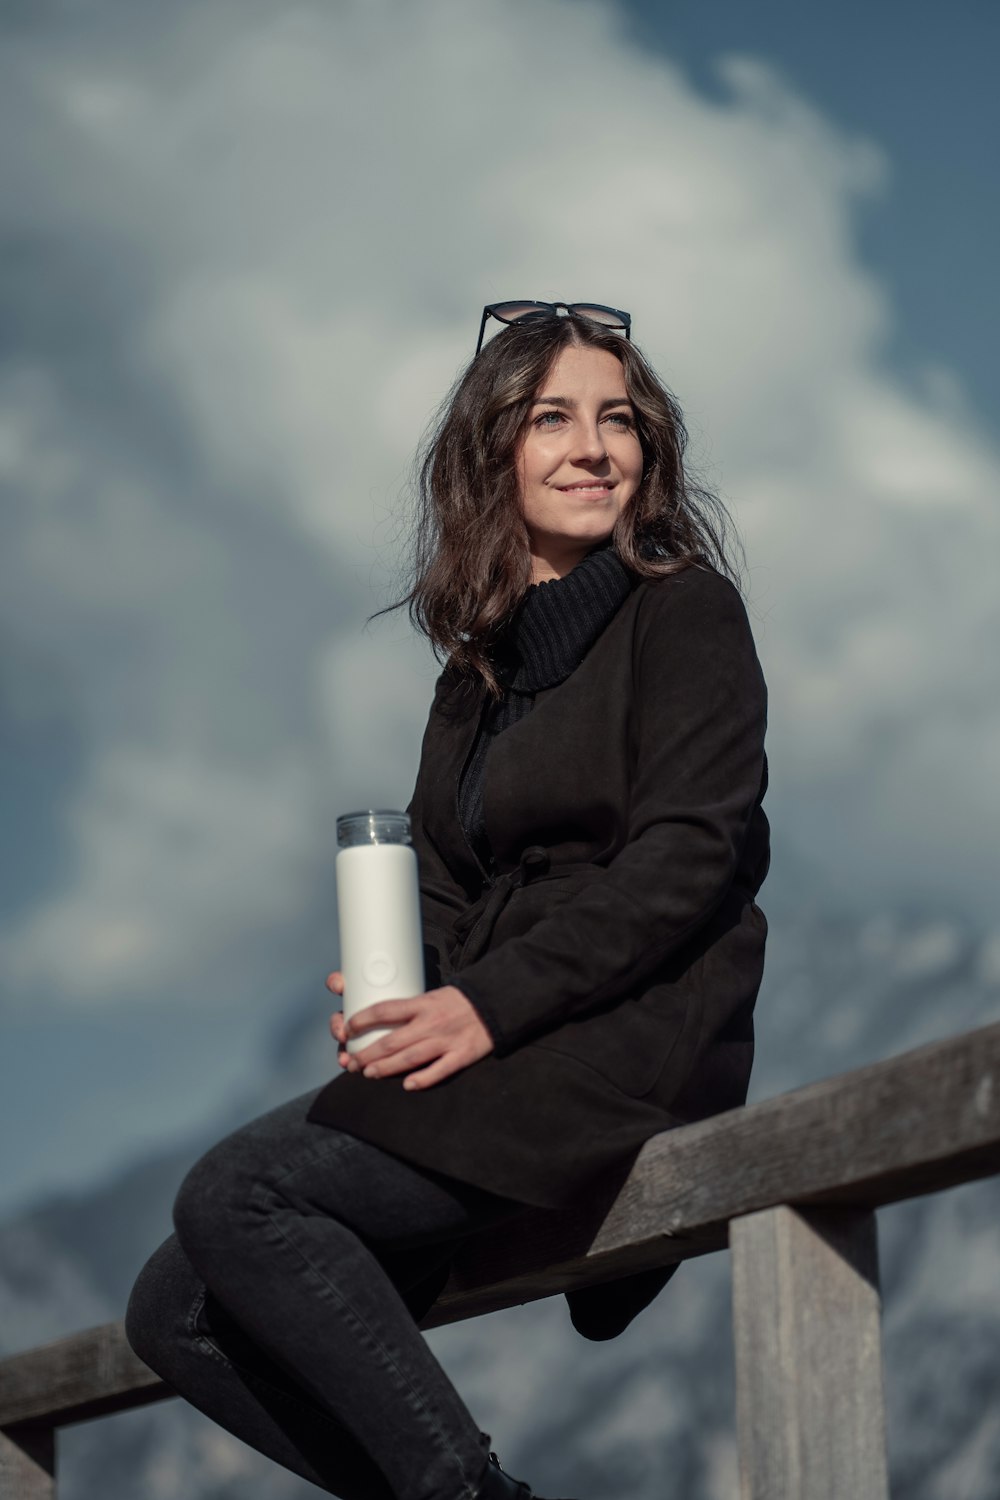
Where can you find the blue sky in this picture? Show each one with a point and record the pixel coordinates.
(243, 256)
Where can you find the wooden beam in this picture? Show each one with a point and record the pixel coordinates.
(28, 1464)
(925, 1120)
(89, 1374)
(912, 1124)
(807, 1331)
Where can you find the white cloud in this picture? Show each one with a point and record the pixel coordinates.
(374, 692)
(306, 223)
(179, 860)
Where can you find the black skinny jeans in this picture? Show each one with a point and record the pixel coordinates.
(280, 1307)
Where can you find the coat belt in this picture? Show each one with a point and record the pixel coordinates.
(475, 926)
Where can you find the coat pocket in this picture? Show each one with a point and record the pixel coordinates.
(630, 1043)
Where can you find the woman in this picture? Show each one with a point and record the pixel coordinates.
(588, 824)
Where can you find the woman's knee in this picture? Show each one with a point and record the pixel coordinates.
(160, 1304)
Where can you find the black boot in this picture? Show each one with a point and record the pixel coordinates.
(499, 1485)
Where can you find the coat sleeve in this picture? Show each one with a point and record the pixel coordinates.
(700, 719)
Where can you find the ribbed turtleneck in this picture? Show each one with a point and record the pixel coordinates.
(547, 639)
(560, 619)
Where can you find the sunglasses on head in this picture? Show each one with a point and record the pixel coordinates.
(517, 312)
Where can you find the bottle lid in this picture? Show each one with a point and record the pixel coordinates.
(373, 826)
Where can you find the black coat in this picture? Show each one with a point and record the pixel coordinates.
(616, 952)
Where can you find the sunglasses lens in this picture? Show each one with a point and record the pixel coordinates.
(599, 315)
(517, 312)
(511, 312)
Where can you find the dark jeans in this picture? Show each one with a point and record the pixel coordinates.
(285, 1307)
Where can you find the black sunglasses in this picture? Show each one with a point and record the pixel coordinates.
(516, 312)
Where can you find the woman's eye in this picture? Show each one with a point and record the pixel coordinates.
(549, 419)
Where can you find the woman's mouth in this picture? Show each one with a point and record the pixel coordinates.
(596, 488)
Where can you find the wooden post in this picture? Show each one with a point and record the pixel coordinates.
(27, 1463)
(806, 1314)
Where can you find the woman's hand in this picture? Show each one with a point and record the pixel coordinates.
(439, 1033)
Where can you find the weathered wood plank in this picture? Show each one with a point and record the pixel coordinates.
(912, 1124)
(925, 1120)
(28, 1464)
(89, 1374)
(807, 1331)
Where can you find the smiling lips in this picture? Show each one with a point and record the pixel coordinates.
(596, 487)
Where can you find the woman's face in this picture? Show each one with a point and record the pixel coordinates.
(580, 461)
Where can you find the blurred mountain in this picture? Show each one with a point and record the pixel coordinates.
(651, 1412)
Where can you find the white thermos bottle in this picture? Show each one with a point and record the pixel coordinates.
(378, 911)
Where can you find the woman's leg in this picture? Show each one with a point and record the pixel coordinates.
(307, 1239)
(175, 1324)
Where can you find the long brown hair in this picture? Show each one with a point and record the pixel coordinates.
(471, 561)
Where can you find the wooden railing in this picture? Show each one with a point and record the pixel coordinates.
(790, 1184)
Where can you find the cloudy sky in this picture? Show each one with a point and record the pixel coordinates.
(244, 253)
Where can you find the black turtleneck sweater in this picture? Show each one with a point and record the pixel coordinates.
(547, 639)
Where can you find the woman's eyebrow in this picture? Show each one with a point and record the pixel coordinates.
(569, 401)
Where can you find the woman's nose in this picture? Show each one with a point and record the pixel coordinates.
(590, 442)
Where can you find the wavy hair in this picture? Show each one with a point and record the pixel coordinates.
(471, 561)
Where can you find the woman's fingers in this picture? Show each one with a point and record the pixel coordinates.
(353, 1061)
(400, 1036)
(401, 1061)
(344, 1058)
(437, 1033)
(335, 982)
(392, 1013)
(442, 1068)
